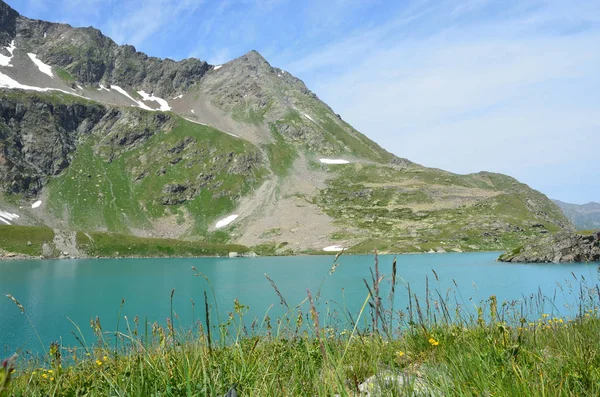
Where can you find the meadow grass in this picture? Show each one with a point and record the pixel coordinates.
(28, 240)
(437, 345)
(114, 245)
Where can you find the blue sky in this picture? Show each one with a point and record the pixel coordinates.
(505, 86)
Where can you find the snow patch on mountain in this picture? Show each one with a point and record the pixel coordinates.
(164, 105)
(125, 93)
(334, 248)
(7, 82)
(6, 217)
(4, 60)
(218, 67)
(46, 69)
(334, 161)
(310, 118)
(226, 221)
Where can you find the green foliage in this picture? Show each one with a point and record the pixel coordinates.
(123, 188)
(15, 239)
(281, 154)
(65, 75)
(111, 245)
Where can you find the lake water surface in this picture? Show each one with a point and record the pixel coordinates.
(54, 291)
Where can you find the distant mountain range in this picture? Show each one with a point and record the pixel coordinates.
(97, 137)
(584, 217)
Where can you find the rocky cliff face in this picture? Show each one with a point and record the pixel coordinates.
(561, 247)
(92, 58)
(40, 133)
(37, 138)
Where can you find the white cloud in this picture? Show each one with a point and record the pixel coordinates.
(138, 20)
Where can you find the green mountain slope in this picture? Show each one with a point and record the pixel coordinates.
(119, 142)
(123, 169)
(413, 208)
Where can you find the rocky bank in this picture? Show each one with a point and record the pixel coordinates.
(560, 247)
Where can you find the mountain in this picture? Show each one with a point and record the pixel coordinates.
(98, 138)
(584, 217)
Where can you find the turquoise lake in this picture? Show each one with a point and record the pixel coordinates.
(53, 292)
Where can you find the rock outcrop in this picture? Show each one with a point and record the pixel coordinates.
(39, 133)
(560, 247)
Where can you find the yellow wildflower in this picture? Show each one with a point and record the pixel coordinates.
(560, 320)
(50, 371)
(98, 362)
(400, 353)
(51, 378)
(33, 373)
(44, 376)
(433, 342)
(545, 315)
(105, 358)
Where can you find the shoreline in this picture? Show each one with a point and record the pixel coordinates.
(21, 257)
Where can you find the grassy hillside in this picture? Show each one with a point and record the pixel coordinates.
(190, 172)
(27, 240)
(418, 209)
(30, 240)
(111, 245)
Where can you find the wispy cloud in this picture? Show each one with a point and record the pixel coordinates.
(464, 89)
(141, 19)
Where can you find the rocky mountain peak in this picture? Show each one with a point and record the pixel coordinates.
(8, 23)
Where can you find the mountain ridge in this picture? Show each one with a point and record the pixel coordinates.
(583, 216)
(112, 140)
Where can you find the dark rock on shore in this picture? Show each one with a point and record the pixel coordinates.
(560, 247)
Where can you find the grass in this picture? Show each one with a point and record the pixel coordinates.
(111, 245)
(281, 154)
(64, 75)
(250, 114)
(120, 187)
(419, 209)
(437, 345)
(16, 239)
